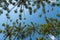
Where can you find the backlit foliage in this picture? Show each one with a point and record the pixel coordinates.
(18, 32)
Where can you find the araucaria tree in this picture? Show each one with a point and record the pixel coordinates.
(19, 31)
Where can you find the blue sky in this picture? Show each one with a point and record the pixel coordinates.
(34, 17)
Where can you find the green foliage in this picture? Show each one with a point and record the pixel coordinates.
(17, 31)
(52, 27)
(3, 24)
(21, 32)
(40, 38)
(58, 15)
(0, 31)
(1, 12)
